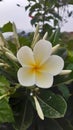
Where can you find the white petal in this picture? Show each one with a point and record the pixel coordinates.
(42, 51)
(44, 80)
(25, 56)
(38, 108)
(53, 65)
(26, 77)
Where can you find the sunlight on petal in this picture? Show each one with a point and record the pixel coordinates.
(44, 80)
(42, 51)
(25, 56)
(53, 65)
(25, 77)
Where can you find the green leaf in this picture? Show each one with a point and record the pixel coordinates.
(35, 19)
(70, 43)
(12, 47)
(53, 106)
(6, 114)
(70, 56)
(70, 2)
(54, 38)
(66, 124)
(60, 79)
(25, 41)
(47, 28)
(27, 7)
(49, 124)
(55, 22)
(27, 117)
(70, 66)
(34, 7)
(7, 27)
(24, 117)
(56, 15)
(4, 84)
(65, 91)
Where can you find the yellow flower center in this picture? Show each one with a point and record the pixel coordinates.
(36, 68)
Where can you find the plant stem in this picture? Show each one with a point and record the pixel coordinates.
(5, 95)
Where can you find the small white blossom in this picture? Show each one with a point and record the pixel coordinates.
(38, 66)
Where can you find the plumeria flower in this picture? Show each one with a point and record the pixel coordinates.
(39, 66)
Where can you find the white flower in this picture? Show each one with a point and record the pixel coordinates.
(38, 66)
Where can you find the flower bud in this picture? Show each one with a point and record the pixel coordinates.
(2, 40)
(16, 36)
(65, 72)
(55, 48)
(38, 108)
(35, 40)
(6, 49)
(36, 36)
(2, 64)
(36, 31)
(5, 65)
(11, 56)
(45, 35)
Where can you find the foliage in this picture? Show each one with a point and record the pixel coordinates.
(47, 13)
(16, 103)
